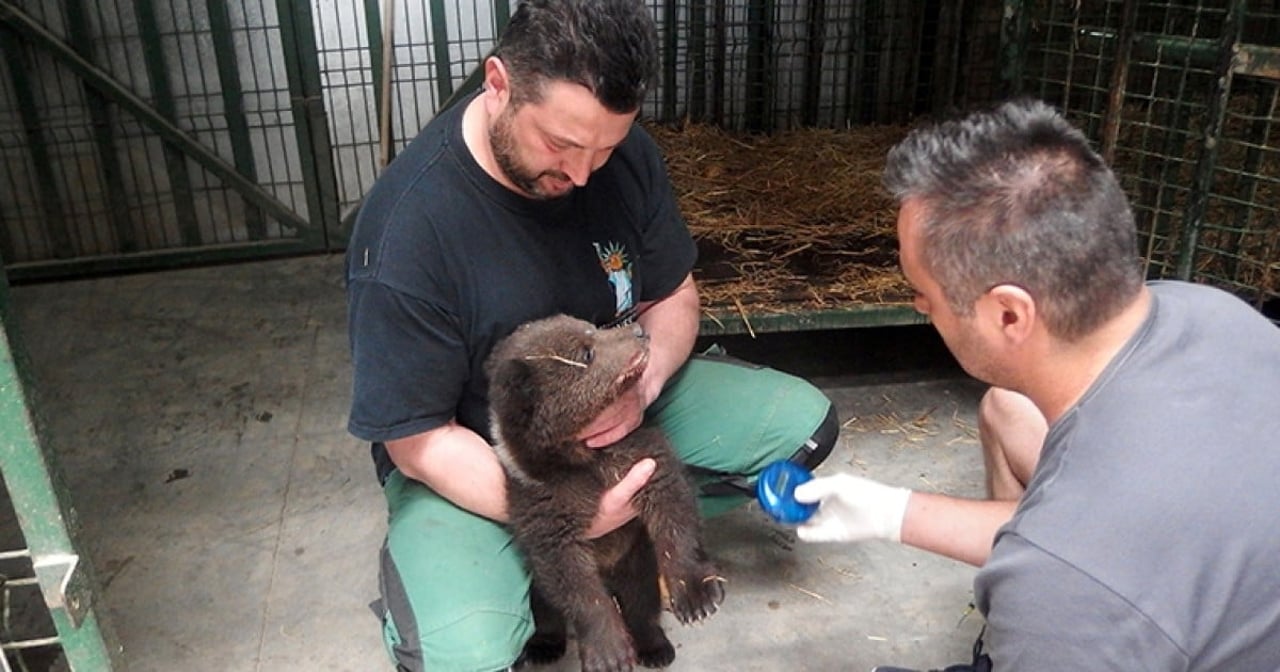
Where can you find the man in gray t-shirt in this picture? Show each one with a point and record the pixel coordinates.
(1131, 434)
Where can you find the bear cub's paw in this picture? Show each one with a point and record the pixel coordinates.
(696, 594)
(658, 655)
(607, 651)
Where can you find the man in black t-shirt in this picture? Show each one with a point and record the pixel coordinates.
(538, 195)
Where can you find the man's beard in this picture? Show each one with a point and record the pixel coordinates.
(502, 142)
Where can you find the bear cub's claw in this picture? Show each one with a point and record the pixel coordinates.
(696, 596)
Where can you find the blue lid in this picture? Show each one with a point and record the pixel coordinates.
(775, 491)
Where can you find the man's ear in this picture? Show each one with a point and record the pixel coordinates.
(497, 80)
(1012, 309)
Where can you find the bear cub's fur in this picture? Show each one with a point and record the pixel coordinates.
(547, 381)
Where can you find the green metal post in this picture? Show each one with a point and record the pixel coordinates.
(162, 100)
(670, 44)
(41, 162)
(720, 51)
(47, 519)
(440, 47)
(501, 16)
(1198, 203)
(311, 123)
(854, 62)
(815, 40)
(696, 106)
(104, 138)
(224, 50)
(759, 48)
(373, 33)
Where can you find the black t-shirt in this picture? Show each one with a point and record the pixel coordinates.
(444, 261)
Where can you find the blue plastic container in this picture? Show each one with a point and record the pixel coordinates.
(775, 490)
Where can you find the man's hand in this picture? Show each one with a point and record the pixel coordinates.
(618, 420)
(615, 504)
(852, 508)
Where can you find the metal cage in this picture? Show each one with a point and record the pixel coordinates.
(1182, 98)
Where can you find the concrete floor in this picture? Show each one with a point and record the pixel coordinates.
(199, 419)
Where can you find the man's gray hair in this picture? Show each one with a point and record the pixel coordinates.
(1015, 195)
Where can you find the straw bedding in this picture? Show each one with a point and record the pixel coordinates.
(793, 221)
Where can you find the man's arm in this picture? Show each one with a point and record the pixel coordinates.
(457, 464)
(853, 508)
(958, 528)
(672, 325)
(460, 466)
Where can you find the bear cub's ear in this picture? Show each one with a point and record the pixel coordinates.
(511, 384)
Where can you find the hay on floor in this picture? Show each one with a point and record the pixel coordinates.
(788, 222)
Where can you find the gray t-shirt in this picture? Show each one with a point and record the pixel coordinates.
(1149, 536)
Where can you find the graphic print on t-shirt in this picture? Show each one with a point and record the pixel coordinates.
(617, 267)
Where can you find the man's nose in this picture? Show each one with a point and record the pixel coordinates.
(578, 167)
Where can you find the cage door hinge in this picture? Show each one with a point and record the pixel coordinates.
(63, 584)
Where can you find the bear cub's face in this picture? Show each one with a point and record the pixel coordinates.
(552, 377)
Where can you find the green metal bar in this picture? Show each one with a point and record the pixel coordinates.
(696, 106)
(373, 32)
(1197, 204)
(54, 218)
(1255, 60)
(49, 523)
(38, 35)
(670, 49)
(157, 260)
(1197, 52)
(501, 16)
(759, 46)
(854, 61)
(224, 50)
(310, 121)
(162, 100)
(816, 39)
(8, 247)
(440, 48)
(720, 50)
(104, 139)
(723, 322)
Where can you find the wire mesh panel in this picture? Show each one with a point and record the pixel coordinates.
(387, 68)
(758, 65)
(768, 65)
(131, 127)
(1181, 98)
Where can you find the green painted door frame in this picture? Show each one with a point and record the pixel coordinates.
(47, 517)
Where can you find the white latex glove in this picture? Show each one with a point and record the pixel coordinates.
(852, 508)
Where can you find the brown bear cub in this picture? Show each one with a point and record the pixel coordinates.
(547, 381)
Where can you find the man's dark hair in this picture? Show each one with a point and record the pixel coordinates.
(1015, 195)
(608, 46)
